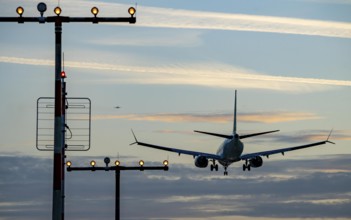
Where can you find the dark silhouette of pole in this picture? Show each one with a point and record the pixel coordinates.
(117, 170)
(59, 119)
(59, 128)
(117, 195)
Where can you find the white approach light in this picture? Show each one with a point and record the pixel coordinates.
(94, 11)
(19, 11)
(131, 11)
(58, 11)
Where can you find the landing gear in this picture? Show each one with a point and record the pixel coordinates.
(246, 166)
(214, 166)
(225, 171)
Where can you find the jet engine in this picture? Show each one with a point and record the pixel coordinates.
(256, 162)
(201, 161)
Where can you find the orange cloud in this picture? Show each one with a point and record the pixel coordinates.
(169, 117)
(267, 117)
(277, 117)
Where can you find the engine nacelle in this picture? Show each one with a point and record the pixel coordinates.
(201, 161)
(256, 162)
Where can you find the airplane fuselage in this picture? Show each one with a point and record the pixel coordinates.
(230, 150)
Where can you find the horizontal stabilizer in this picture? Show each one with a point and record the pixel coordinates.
(231, 136)
(215, 134)
(256, 134)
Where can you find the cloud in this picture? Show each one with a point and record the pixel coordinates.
(176, 18)
(161, 17)
(339, 2)
(169, 117)
(263, 117)
(155, 38)
(184, 192)
(209, 75)
(322, 201)
(26, 61)
(309, 136)
(276, 117)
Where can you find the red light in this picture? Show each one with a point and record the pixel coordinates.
(63, 74)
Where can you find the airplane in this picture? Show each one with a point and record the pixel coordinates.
(231, 149)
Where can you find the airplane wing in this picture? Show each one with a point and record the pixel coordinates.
(175, 150)
(283, 150)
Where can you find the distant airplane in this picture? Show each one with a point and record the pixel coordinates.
(231, 150)
(117, 107)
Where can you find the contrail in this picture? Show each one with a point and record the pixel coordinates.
(175, 18)
(210, 75)
(162, 17)
(191, 19)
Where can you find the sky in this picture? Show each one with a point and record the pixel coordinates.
(173, 72)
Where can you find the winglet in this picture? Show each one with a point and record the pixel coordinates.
(329, 137)
(136, 140)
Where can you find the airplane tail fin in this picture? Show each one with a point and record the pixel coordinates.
(224, 135)
(234, 121)
(235, 135)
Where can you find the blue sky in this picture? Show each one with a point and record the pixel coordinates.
(176, 70)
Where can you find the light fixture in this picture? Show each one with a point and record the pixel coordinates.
(131, 11)
(19, 11)
(92, 163)
(165, 162)
(107, 160)
(117, 163)
(68, 163)
(94, 11)
(141, 163)
(57, 11)
(41, 8)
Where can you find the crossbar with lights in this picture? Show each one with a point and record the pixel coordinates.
(57, 10)
(117, 168)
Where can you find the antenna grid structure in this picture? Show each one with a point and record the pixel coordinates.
(77, 124)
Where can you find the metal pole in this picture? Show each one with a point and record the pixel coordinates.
(64, 146)
(118, 190)
(58, 182)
